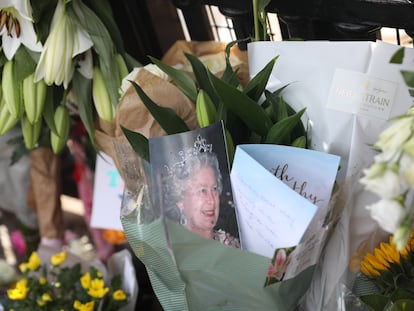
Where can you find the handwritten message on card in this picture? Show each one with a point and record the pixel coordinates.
(278, 190)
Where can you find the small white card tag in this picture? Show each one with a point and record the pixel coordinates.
(359, 93)
(107, 195)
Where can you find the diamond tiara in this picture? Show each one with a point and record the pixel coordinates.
(200, 145)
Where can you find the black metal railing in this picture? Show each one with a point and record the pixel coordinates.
(316, 19)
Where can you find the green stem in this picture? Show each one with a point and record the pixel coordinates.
(256, 20)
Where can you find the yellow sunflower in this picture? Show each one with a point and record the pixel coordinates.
(383, 257)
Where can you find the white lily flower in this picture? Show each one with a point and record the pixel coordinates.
(16, 27)
(383, 181)
(65, 41)
(85, 64)
(396, 135)
(389, 214)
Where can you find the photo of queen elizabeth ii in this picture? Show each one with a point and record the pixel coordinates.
(195, 187)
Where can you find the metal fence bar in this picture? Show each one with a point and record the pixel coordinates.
(223, 29)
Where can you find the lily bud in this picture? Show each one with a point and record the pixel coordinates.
(7, 120)
(11, 89)
(101, 99)
(31, 132)
(62, 123)
(205, 110)
(34, 96)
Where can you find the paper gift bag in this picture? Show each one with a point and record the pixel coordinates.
(345, 99)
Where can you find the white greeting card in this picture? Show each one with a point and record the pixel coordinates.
(277, 191)
(107, 195)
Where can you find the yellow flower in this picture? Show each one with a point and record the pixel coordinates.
(89, 306)
(34, 262)
(46, 297)
(41, 302)
(59, 258)
(42, 280)
(97, 288)
(23, 267)
(19, 292)
(373, 264)
(86, 280)
(368, 269)
(119, 295)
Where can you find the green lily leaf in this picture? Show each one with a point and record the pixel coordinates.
(299, 142)
(281, 130)
(398, 56)
(102, 43)
(131, 61)
(402, 294)
(276, 106)
(24, 63)
(402, 305)
(49, 108)
(168, 119)
(377, 302)
(42, 11)
(229, 75)
(408, 77)
(201, 74)
(280, 90)
(241, 105)
(103, 10)
(138, 142)
(256, 86)
(182, 80)
(82, 88)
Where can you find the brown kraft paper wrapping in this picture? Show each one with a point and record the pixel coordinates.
(44, 192)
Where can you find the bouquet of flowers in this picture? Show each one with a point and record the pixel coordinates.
(171, 254)
(59, 58)
(57, 286)
(385, 281)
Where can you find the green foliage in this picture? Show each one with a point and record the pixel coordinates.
(245, 118)
(138, 142)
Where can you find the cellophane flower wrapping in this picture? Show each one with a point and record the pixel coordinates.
(189, 272)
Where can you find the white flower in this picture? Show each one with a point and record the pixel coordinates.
(406, 171)
(388, 213)
(16, 27)
(65, 41)
(154, 69)
(383, 181)
(396, 135)
(408, 147)
(7, 273)
(85, 64)
(401, 235)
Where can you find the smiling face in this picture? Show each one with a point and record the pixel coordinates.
(200, 202)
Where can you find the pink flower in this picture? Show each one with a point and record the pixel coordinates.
(18, 242)
(278, 268)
